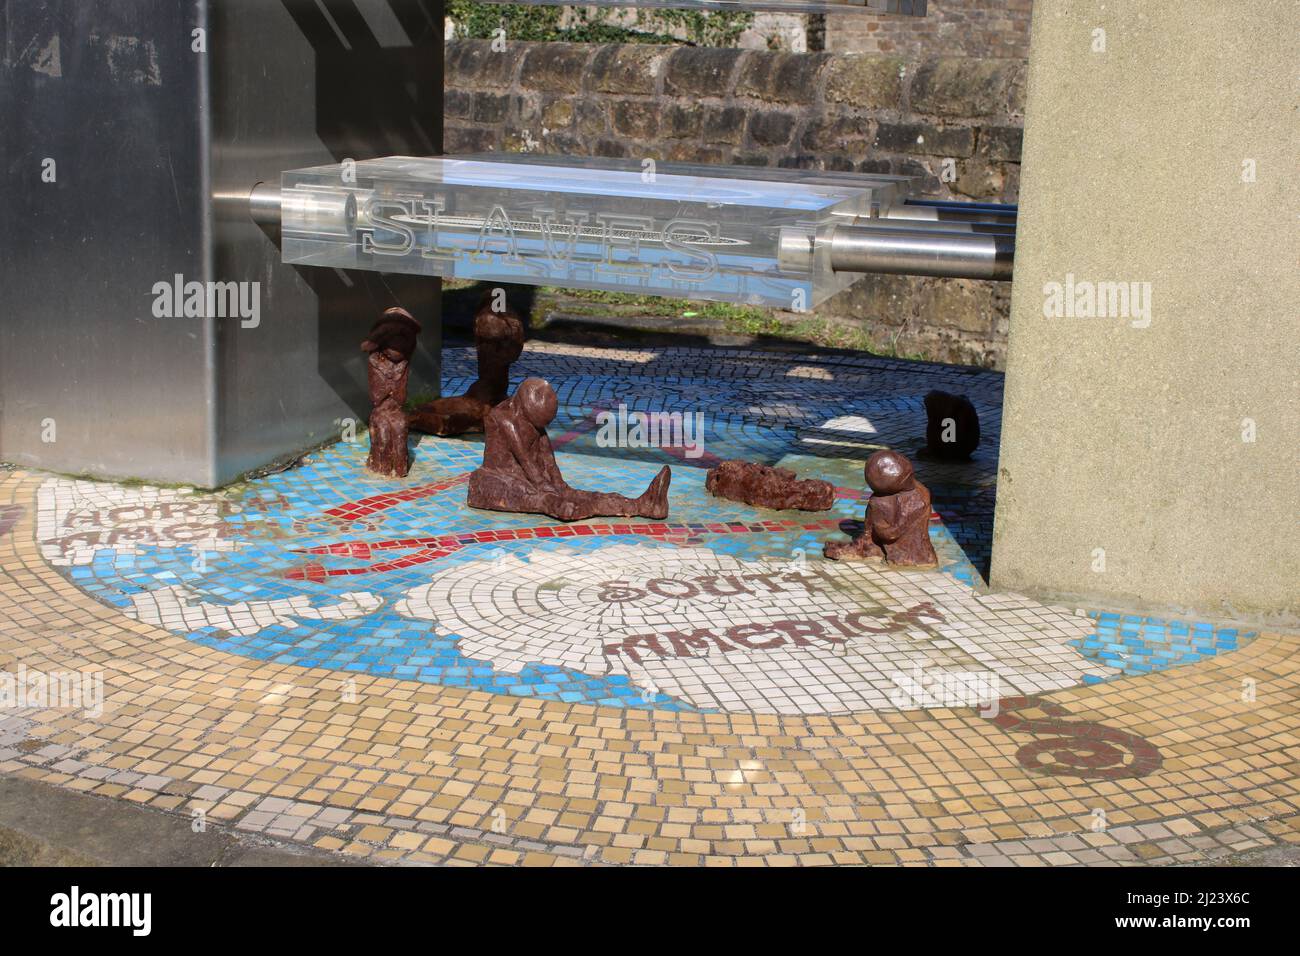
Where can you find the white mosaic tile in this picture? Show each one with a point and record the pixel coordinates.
(179, 608)
(764, 636)
(75, 519)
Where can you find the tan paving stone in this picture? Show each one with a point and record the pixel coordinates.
(652, 788)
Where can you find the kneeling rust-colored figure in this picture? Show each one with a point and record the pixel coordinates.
(766, 487)
(499, 339)
(898, 518)
(389, 347)
(519, 472)
(952, 427)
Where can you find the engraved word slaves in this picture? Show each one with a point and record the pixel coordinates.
(617, 243)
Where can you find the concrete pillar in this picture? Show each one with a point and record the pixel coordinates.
(1149, 456)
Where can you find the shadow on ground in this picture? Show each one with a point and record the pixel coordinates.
(43, 825)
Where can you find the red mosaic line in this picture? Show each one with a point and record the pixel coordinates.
(432, 548)
(9, 515)
(368, 506)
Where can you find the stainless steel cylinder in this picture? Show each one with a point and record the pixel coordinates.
(954, 213)
(264, 204)
(915, 225)
(315, 212)
(995, 207)
(921, 252)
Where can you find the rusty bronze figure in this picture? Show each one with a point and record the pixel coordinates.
(897, 528)
(519, 472)
(389, 347)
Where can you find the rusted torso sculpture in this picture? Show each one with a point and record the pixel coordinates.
(898, 518)
(499, 339)
(389, 347)
(952, 427)
(766, 487)
(519, 472)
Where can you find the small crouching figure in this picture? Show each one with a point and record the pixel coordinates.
(499, 340)
(389, 348)
(897, 528)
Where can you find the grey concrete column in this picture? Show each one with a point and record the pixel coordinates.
(1149, 450)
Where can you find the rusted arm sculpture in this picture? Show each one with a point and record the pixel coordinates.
(766, 487)
(499, 339)
(388, 348)
(519, 472)
(897, 528)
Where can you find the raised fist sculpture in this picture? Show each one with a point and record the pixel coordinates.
(389, 347)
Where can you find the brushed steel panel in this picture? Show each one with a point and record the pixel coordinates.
(96, 89)
(298, 80)
(145, 131)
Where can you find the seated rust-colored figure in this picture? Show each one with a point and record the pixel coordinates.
(952, 427)
(389, 347)
(499, 339)
(898, 518)
(766, 487)
(519, 472)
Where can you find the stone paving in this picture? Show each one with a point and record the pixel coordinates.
(369, 666)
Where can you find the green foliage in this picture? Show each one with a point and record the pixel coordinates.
(736, 319)
(522, 22)
(481, 20)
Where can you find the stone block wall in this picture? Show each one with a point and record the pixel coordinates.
(953, 121)
(950, 28)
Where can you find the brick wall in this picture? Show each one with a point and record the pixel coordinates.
(950, 28)
(953, 121)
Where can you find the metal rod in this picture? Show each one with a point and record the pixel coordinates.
(933, 225)
(264, 204)
(999, 207)
(956, 213)
(921, 253)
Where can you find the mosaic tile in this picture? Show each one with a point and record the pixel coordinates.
(326, 566)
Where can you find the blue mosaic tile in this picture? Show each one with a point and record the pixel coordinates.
(779, 423)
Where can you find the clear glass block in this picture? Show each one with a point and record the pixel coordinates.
(915, 8)
(721, 233)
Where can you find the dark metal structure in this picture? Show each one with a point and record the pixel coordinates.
(132, 133)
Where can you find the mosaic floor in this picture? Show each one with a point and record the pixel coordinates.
(370, 665)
